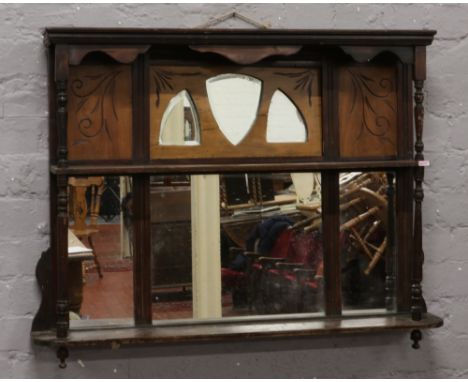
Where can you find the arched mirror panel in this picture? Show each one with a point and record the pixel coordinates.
(180, 126)
(285, 122)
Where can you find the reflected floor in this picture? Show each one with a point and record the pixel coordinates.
(112, 297)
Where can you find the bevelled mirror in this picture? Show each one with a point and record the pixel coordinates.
(180, 124)
(285, 122)
(234, 100)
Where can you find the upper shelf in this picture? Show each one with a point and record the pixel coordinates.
(120, 36)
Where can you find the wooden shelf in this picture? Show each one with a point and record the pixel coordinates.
(155, 168)
(133, 36)
(236, 329)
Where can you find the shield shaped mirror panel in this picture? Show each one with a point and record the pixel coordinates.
(234, 101)
(255, 112)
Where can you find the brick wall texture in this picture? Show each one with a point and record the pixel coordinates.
(24, 202)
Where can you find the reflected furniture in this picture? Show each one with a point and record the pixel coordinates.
(171, 232)
(144, 102)
(83, 213)
(77, 253)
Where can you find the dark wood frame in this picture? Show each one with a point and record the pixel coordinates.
(406, 48)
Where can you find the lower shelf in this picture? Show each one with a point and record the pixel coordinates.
(214, 331)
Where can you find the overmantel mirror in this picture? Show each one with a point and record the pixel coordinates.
(212, 184)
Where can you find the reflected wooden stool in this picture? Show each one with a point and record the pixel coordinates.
(79, 209)
(77, 253)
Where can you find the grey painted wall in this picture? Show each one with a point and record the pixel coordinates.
(24, 203)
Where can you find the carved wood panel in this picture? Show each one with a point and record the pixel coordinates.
(100, 113)
(300, 85)
(367, 111)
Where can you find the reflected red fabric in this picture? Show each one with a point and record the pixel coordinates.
(281, 249)
(302, 247)
(231, 278)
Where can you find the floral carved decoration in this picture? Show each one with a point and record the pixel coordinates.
(91, 92)
(162, 80)
(304, 81)
(372, 99)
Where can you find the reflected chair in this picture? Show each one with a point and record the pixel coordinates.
(84, 227)
(292, 284)
(280, 277)
(365, 215)
(293, 281)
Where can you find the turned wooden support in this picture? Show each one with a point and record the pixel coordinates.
(62, 152)
(416, 336)
(61, 87)
(61, 254)
(61, 218)
(417, 302)
(62, 355)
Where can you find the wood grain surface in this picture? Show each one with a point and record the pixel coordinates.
(301, 85)
(100, 112)
(367, 111)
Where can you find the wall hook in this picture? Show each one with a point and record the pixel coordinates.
(232, 15)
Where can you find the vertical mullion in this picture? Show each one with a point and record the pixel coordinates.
(404, 232)
(142, 250)
(61, 218)
(331, 242)
(330, 193)
(141, 197)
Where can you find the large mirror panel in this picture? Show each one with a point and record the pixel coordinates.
(367, 241)
(236, 245)
(171, 246)
(100, 251)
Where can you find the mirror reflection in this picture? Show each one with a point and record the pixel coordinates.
(171, 245)
(179, 124)
(367, 233)
(234, 100)
(285, 122)
(100, 253)
(264, 252)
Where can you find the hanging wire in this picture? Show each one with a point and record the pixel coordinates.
(232, 15)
